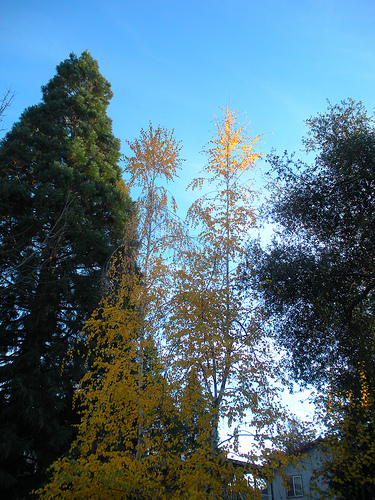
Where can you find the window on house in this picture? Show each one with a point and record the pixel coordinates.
(294, 487)
(266, 493)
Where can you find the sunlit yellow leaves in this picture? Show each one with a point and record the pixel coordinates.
(127, 436)
(226, 215)
(155, 155)
(172, 349)
(213, 333)
(349, 445)
(365, 390)
(231, 152)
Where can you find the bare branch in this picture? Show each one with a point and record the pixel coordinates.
(5, 103)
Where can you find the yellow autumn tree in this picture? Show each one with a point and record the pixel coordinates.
(216, 336)
(127, 439)
(173, 350)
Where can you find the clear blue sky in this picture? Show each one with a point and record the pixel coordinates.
(176, 62)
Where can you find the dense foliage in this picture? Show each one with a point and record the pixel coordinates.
(317, 278)
(183, 354)
(63, 211)
(116, 319)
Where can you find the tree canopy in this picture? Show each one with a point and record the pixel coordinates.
(126, 342)
(318, 274)
(175, 352)
(317, 278)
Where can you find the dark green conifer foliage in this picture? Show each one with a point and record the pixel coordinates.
(63, 208)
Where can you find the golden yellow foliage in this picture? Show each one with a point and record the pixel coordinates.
(214, 333)
(172, 349)
(127, 409)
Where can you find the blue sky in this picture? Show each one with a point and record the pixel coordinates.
(176, 62)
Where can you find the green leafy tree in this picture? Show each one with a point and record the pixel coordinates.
(349, 445)
(318, 277)
(63, 212)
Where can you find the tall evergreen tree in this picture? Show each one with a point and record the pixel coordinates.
(63, 211)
